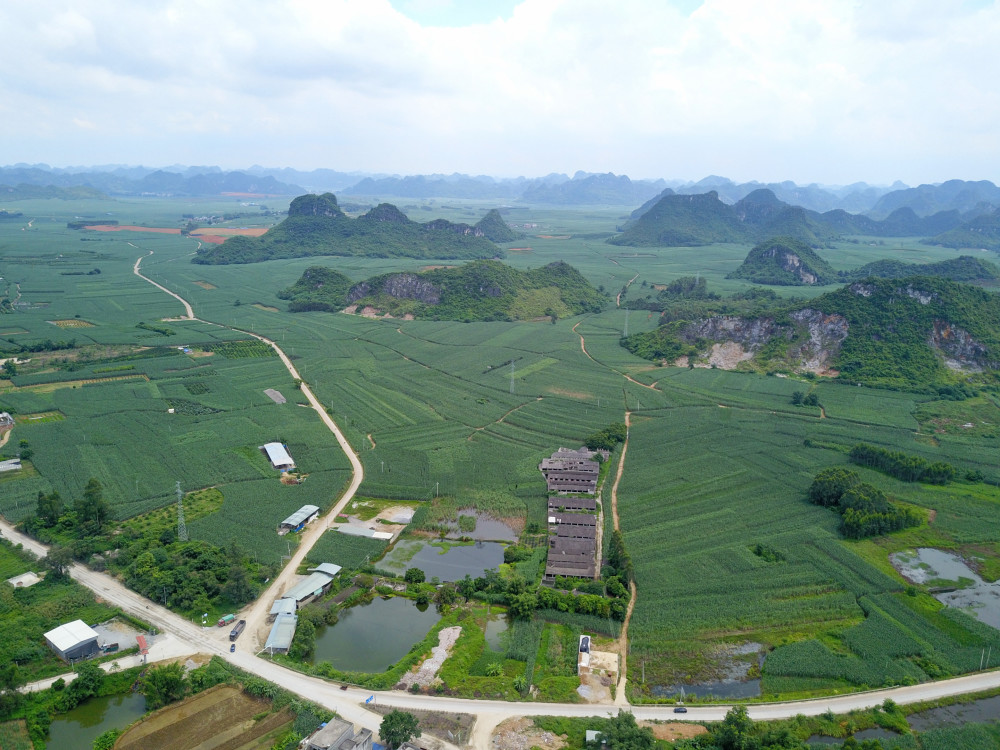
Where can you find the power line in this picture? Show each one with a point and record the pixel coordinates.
(182, 532)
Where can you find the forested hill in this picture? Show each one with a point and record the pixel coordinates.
(980, 232)
(316, 226)
(963, 268)
(694, 220)
(477, 291)
(784, 261)
(910, 333)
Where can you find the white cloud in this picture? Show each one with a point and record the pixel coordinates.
(773, 89)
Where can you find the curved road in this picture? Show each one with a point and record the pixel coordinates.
(349, 703)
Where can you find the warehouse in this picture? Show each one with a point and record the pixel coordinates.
(279, 640)
(73, 641)
(309, 588)
(278, 455)
(298, 519)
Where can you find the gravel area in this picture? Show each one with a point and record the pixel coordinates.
(426, 674)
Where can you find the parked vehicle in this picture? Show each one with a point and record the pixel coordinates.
(235, 632)
(680, 710)
(225, 620)
(110, 648)
(232, 648)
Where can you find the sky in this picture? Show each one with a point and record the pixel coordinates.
(828, 91)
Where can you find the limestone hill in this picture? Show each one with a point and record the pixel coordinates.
(784, 261)
(478, 291)
(316, 226)
(911, 333)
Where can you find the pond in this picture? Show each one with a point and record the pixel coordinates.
(721, 689)
(487, 529)
(495, 628)
(983, 710)
(964, 588)
(875, 733)
(77, 729)
(372, 637)
(444, 563)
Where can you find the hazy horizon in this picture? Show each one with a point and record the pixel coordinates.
(821, 92)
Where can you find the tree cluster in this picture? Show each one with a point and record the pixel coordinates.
(901, 466)
(864, 509)
(608, 438)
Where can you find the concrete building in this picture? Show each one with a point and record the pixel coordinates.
(298, 519)
(279, 640)
(278, 455)
(572, 504)
(339, 735)
(6, 421)
(572, 471)
(73, 641)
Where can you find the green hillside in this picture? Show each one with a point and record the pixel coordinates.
(478, 291)
(316, 226)
(910, 333)
(964, 268)
(495, 229)
(684, 221)
(981, 232)
(784, 261)
(318, 288)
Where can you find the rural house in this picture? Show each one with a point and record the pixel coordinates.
(6, 421)
(569, 470)
(279, 640)
(337, 734)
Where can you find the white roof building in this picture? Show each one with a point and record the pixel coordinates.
(278, 455)
(74, 640)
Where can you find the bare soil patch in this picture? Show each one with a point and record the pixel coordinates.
(205, 285)
(265, 308)
(230, 232)
(582, 395)
(220, 717)
(674, 730)
(554, 236)
(211, 239)
(437, 723)
(519, 250)
(434, 268)
(522, 734)
(426, 673)
(72, 323)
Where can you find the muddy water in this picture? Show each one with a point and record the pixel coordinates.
(495, 628)
(987, 709)
(372, 637)
(487, 529)
(458, 561)
(77, 729)
(940, 569)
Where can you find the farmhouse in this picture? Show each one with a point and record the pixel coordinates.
(337, 734)
(73, 641)
(572, 558)
(354, 530)
(6, 421)
(277, 454)
(574, 471)
(309, 588)
(573, 519)
(282, 632)
(572, 503)
(281, 606)
(298, 519)
(11, 464)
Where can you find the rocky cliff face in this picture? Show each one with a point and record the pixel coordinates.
(814, 338)
(792, 263)
(400, 286)
(961, 352)
(443, 225)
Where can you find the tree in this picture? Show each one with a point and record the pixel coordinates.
(414, 575)
(49, 508)
(467, 587)
(93, 510)
(238, 588)
(797, 398)
(398, 727)
(622, 733)
(58, 561)
(737, 731)
(163, 685)
(522, 606)
(9, 368)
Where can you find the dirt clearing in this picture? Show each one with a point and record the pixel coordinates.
(674, 730)
(522, 734)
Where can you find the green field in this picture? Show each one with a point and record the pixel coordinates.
(717, 462)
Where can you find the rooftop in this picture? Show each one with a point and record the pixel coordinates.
(300, 515)
(282, 632)
(308, 587)
(71, 634)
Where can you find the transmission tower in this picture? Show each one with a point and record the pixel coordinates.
(182, 532)
(512, 376)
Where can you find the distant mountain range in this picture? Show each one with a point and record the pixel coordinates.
(675, 220)
(316, 226)
(26, 180)
(970, 199)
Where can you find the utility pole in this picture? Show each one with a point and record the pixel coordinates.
(182, 532)
(511, 375)
(626, 322)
